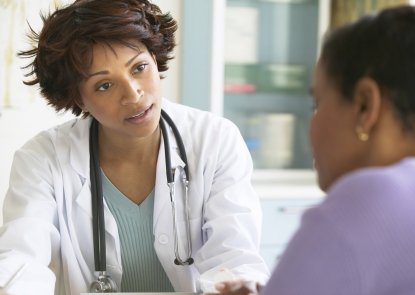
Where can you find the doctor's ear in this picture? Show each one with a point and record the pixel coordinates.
(82, 106)
(367, 100)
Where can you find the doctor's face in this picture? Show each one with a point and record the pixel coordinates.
(123, 90)
(332, 131)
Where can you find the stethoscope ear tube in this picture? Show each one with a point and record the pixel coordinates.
(179, 141)
(169, 173)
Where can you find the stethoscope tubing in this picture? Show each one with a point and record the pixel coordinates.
(97, 203)
(169, 173)
(179, 140)
(170, 183)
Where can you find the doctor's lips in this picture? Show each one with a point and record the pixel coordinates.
(140, 116)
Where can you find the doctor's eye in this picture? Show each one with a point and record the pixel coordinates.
(140, 67)
(104, 86)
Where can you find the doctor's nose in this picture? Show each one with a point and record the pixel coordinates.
(132, 93)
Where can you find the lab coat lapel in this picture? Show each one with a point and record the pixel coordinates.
(79, 159)
(113, 247)
(84, 200)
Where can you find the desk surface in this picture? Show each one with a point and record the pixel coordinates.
(148, 293)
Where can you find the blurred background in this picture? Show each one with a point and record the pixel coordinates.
(250, 61)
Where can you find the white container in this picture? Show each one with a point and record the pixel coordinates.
(276, 140)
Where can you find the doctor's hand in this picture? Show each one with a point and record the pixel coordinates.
(238, 287)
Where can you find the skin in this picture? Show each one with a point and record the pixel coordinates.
(123, 84)
(238, 287)
(337, 149)
(332, 132)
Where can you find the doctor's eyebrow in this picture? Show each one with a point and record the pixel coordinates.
(126, 65)
(131, 60)
(99, 73)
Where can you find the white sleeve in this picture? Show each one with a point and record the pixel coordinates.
(30, 232)
(232, 216)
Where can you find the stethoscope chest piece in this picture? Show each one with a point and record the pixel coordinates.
(104, 284)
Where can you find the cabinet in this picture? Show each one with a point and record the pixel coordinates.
(251, 61)
(284, 196)
(280, 220)
(270, 52)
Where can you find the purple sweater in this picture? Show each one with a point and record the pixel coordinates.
(360, 240)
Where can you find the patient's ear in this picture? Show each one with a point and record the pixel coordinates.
(367, 100)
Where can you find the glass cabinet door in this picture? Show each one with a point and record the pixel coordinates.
(270, 52)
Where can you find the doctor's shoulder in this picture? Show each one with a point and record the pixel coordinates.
(213, 140)
(44, 144)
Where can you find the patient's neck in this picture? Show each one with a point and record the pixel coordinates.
(389, 143)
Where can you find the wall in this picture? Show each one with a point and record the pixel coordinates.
(346, 11)
(23, 113)
(171, 84)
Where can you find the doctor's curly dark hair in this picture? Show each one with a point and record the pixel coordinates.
(63, 49)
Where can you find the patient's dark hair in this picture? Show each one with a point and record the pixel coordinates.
(380, 46)
(63, 49)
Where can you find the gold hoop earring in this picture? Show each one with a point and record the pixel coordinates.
(363, 136)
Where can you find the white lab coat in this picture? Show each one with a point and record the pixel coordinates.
(48, 220)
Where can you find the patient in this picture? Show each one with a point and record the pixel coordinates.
(361, 239)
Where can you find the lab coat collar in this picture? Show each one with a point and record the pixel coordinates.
(79, 146)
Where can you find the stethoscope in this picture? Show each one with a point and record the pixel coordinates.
(104, 283)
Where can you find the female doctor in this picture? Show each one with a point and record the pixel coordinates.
(101, 59)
